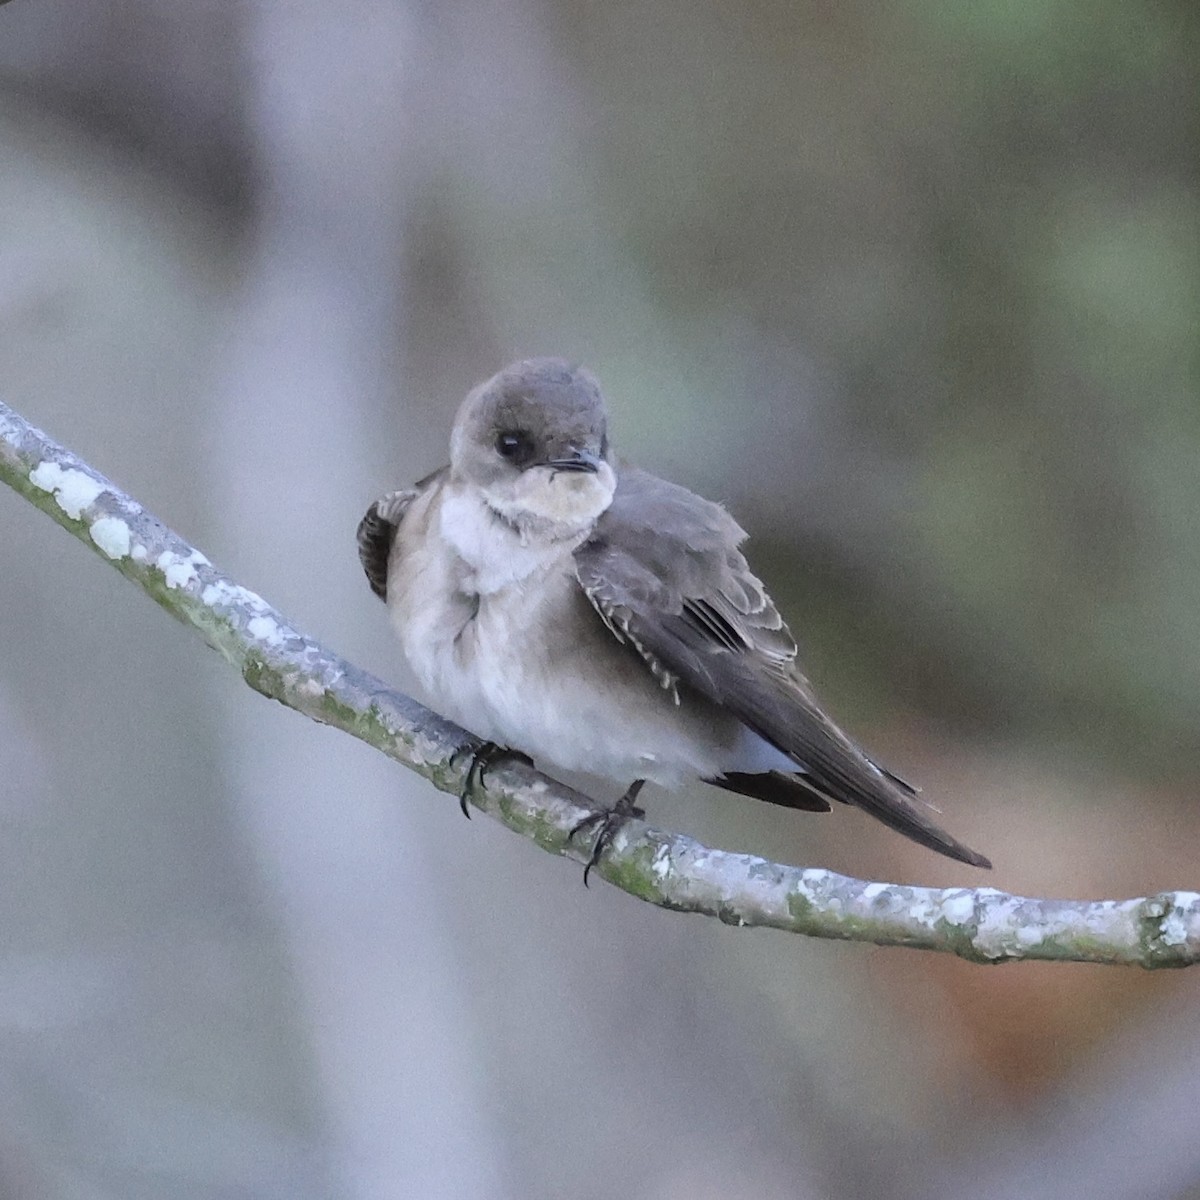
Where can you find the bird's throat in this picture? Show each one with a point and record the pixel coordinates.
(505, 545)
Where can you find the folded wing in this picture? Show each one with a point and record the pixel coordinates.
(665, 574)
(377, 531)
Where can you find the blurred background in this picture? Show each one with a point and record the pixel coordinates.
(913, 287)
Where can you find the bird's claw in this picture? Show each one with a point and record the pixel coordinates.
(488, 754)
(609, 821)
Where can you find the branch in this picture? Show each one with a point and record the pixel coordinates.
(670, 870)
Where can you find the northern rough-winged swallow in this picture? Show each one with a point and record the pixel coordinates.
(558, 602)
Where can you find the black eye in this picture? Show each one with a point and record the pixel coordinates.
(513, 445)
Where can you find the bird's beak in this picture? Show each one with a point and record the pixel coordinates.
(577, 460)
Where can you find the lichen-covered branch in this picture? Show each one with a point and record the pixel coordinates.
(667, 869)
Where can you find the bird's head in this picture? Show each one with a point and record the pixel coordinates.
(533, 439)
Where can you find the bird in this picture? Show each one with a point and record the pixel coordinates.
(559, 602)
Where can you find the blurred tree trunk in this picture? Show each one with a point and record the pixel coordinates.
(311, 364)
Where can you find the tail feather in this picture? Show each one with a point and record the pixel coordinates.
(889, 805)
(788, 791)
(886, 801)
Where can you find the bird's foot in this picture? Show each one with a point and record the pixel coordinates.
(487, 756)
(608, 820)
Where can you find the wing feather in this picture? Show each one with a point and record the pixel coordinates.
(377, 532)
(377, 529)
(665, 574)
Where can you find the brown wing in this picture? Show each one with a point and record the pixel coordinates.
(664, 572)
(377, 531)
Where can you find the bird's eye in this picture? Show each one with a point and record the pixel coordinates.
(513, 445)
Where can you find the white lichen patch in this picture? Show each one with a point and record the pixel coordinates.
(958, 905)
(224, 594)
(178, 569)
(995, 934)
(73, 490)
(265, 629)
(216, 593)
(112, 535)
(1175, 928)
(660, 866)
(920, 906)
(139, 553)
(813, 884)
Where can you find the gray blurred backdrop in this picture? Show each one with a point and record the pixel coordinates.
(913, 287)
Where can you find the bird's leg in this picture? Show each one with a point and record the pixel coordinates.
(609, 821)
(488, 755)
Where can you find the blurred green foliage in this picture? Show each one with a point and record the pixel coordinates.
(982, 223)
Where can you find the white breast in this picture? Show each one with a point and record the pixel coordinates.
(495, 553)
